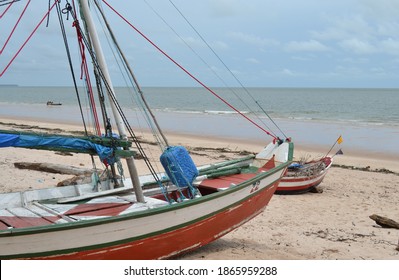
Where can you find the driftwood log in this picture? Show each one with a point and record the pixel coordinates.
(75, 180)
(53, 168)
(384, 222)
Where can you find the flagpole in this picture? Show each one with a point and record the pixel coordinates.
(339, 140)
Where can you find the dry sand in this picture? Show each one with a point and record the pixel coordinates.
(334, 224)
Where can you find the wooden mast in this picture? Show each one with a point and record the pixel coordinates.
(111, 93)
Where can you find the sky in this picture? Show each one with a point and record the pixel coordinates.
(264, 43)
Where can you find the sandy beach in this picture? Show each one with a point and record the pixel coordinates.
(331, 225)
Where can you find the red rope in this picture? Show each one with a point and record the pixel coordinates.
(15, 26)
(85, 72)
(187, 72)
(26, 41)
(9, 6)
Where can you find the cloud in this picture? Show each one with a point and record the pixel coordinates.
(294, 42)
(355, 60)
(224, 8)
(287, 72)
(381, 9)
(378, 71)
(306, 46)
(220, 45)
(390, 28)
(390, 46)
(252, 39)
(358, 46)
(303, 58)
(345, 27)
(190, 41)
(253, 60)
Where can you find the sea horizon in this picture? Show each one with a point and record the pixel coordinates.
(367, 119)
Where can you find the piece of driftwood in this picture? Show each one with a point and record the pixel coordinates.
(75, 180)
(384, 222)
(52, 168)
(84, 179)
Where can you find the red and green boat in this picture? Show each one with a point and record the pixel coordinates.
(65, 223)
(304, 177)
(151, 216)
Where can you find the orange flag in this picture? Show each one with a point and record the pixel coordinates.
(340, 140)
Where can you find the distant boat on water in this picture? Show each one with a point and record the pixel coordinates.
(52, 103)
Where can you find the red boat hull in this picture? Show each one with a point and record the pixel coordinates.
(302, 186)
(294, 184)
(183, 239)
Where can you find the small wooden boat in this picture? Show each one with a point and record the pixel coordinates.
(52, 103)
(304, 177)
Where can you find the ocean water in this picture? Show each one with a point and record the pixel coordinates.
(363, 106)
(368, 119)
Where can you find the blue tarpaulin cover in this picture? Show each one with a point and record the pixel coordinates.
(31, 141)
(295, 165)
(179, 166)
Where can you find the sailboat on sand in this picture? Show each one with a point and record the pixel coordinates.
(305, 175)
(152, 216)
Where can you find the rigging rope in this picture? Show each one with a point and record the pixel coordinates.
(228, 69)
(85, 73)
(15, 26)
(99, 85)
(9, 6)
(150, 117)
(62, 26)
(60, 12)
(84, 68)
(9, 3)
(119, 108)
(203, 61)
(27, 40)
(187, 72)
(209, 67)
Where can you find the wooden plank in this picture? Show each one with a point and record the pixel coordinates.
(46, 214)
(24, 222)
(226, 181)
(98, 209)
(54, 212)
(242, 177)
(95, 194)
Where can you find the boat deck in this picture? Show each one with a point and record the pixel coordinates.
(44, 207)
(42, 214)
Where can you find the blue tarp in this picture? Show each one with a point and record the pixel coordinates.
(179, 166)
(32, 141)
(8, 140)
(295, 165)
